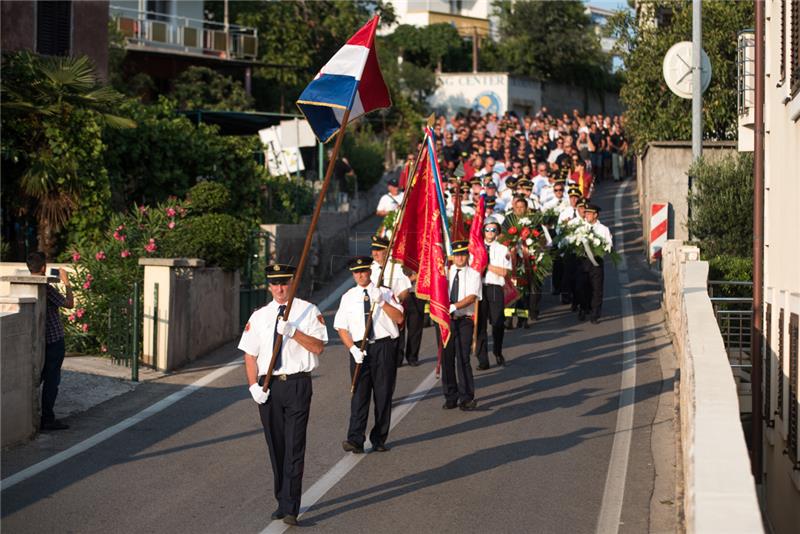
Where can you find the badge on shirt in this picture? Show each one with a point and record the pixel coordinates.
(247, 327)
(321, 320)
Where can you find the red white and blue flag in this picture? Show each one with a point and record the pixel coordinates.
(351, 79)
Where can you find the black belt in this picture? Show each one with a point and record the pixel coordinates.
(372, 342)
(284, 378)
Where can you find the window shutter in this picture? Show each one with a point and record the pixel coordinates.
(793, 409)
(769, 420)
(794, 47)
(779, 400)
(53, 27)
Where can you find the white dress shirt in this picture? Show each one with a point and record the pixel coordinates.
(603, 231)
(567, 215)
(499, 257)
(350, 315)
(556, 204)
(259, 334)
(389, 202)
(469, 283)
(399, 282)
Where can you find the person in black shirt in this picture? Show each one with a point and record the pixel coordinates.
(341, 170)
(463, 144)
(449, 150)
(596, 146)
(615, 142)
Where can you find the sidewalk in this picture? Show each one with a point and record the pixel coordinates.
(87, 381)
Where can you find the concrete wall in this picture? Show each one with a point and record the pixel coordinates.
(662, 177)
(197, 310)
(17, 25)
(719, 490)
(90, 33)
(20, 361)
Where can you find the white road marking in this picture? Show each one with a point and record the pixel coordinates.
(349, 461)
(614, 491)
(153, 409)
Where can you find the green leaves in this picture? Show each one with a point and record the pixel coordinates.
(204, 88)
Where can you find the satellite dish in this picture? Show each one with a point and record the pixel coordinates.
(678, 69)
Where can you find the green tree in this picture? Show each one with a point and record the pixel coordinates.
(653, 111)
(204, 88)
(548, 41)
(54, 112)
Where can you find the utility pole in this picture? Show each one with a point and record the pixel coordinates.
(474, 49)
(697, 80)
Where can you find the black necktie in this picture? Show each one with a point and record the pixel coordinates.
(371, 334)
(278, 361)
(454, 288)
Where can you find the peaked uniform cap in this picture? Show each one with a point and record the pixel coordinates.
(279, 270)
(359, 263)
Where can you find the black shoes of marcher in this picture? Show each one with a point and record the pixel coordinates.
(565, 298)
(415, 363)
(380, 448)
(482, 367)
(291, 520)
(468, 406)
(581, 315)
(277, 514)
(449, 405)
(500, 360)
(352, 447)
(595, 320)
(55, 424)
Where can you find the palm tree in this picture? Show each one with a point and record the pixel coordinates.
(41, 93)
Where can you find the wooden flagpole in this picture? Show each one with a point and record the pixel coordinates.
(398, 220)
(302, 264)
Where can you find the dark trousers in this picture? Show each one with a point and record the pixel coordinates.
(376, 379)
(597, 164)
(590, 286)
(51, 377)
(285, 417)
(414, 312)
(570, 275)
(534, 297)
(457, 382)
(491, 311)
(558, 274)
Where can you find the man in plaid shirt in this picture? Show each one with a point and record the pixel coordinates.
(54, 340)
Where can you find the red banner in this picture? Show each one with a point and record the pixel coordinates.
(479, 258)
(419, 245)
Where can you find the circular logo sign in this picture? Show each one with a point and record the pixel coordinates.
(487, 102)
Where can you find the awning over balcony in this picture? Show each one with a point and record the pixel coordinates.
(237, 122)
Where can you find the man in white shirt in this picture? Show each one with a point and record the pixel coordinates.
(398, 282)
(390, 201)
(492, 302)
(591, 276)
(458, 385)
(378, 369)
(558, 202)
(541, 179)
(284, 408)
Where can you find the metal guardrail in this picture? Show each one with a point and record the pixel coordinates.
(745, 71)
(734, 315)
(176, 33)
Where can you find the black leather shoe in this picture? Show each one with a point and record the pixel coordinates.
(595, 320)
(380, 448)
(55, 424)
(482, 367)
(500, 360)
(581, 315)
(414, 363)
(449, 405)
(352, 447)
(574, 307)
(468, 406)
(291, 520)
(277, 514)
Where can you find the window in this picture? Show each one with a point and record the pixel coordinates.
(782, 46)
(793, 409)
(53, 27)
(770, 422)
(794, 47)
(779, 400)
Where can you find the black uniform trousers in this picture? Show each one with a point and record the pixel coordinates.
(570, 276)
(590, 286)
(491, 311)
(285, 417)
(558, 274)
(534, 296)
(457, 382)
(414, 312)
(376, 378)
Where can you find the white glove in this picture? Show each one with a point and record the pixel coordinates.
(452, 309)
(258, 394)
(375, 295)
(285, 328)
(358, 354)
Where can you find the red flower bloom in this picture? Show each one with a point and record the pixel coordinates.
(525, 233)
(512, 230)
(536, 233)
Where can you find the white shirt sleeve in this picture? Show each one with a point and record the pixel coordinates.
(314, 326)
(340, 319)
(251, 340)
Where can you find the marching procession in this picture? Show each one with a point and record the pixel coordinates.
(469, 236)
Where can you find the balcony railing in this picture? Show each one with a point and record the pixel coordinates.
(152, 30)
(745, 71)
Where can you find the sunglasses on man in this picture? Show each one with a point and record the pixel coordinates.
(490, 230)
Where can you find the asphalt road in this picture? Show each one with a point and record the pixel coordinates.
(533, 458)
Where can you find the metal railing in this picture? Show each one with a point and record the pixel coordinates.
(745, 71)
(184, 34)
(733, 309)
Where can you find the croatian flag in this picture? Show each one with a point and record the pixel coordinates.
(350, 79)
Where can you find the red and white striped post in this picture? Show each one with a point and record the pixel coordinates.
(659, 225)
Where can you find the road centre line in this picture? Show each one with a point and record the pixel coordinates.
(614, 491)
(153, 409)
(350, 460)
